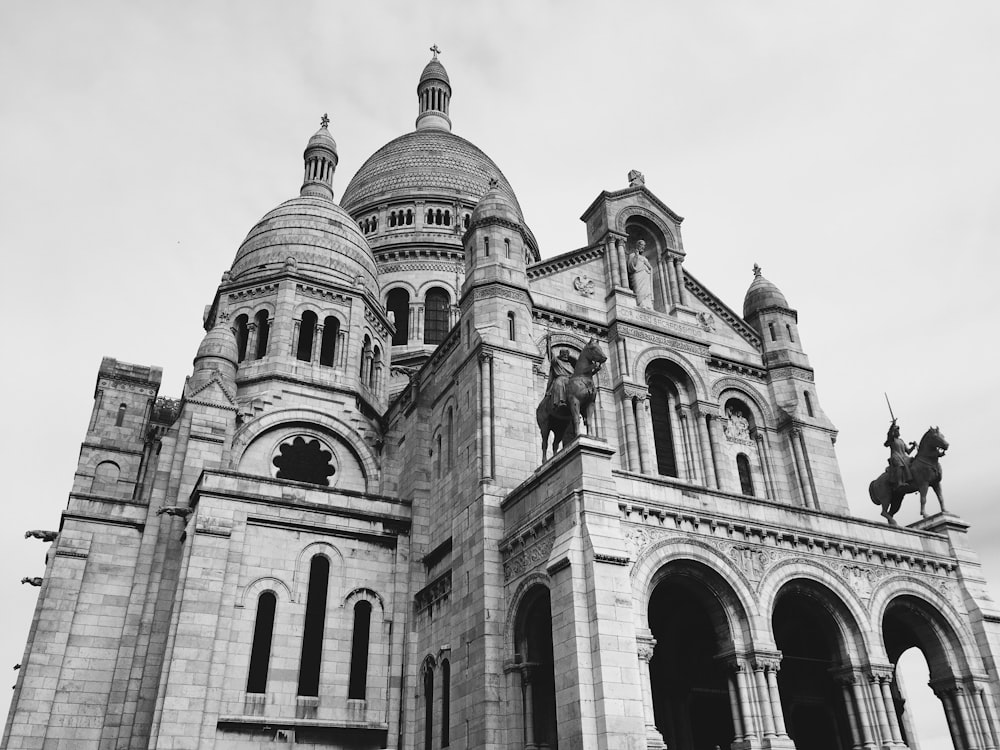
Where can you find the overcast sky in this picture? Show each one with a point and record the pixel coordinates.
(850, 148)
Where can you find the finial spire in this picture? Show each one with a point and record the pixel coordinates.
(324, 120)
(434, 95)
(320, 161)
(756, 271)
(435, 50)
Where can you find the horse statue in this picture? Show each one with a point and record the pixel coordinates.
(925, 471)
(563, 420)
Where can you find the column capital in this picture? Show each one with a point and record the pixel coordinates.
(768, 661)
(486, 355)
(845, 676)
(880, 672)
(707, 409)
(645, 644)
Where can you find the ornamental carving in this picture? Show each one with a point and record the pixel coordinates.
(753, 561)
(121, 385)
(418, 266)
(669, 342)
(257, 291)
(584, 285)
(434, 593)
(707, 321)
(528, 557)
(737, 427)
(495, 290)
(860, 578)
(307, 290)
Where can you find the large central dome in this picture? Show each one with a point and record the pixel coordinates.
(428, 162)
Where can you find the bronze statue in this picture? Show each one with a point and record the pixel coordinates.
(905, 475)
(33, 581)
(570, 394)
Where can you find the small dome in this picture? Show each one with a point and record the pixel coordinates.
(761, 295)
(219, 343)
(434, 71)
(495, 203)
(322, 139)
(318, 235)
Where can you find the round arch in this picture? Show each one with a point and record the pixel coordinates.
(723, 390)
(300, 576)
(514, 606)
(403, 284)
(650, 354)
(637, 212)
(255, 588)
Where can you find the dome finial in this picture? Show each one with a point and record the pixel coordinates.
(320, 162)
(756, 271)
(434, 95)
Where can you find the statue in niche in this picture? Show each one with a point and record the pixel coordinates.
(737, 425)
(905, 475)
(640, 274)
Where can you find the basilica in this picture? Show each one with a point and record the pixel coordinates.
(427, 489)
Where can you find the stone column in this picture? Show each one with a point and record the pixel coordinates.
(750, 719)
(890, 708)
(861, 709)
(486, 423)
(763, 698)
(765, 466)
(622, 358)
(981, 702)
(706, 451)
(961, 698)
(645, 434)
(668, 269)
(317, 343)
(682, 290)
(793, 438)
(690, 447)
(296, 329)
(340, 358)
(722, 479)
(680, 460)
(772, 689)
(419, 338)
(611, 255)
(631, 437)
(881, 715)
(622, 262)
(251, 352)
(646, 645)
(528, 711)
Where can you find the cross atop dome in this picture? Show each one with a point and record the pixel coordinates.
(324, 120)
(756, 270)
(434, 95)
(435, 50)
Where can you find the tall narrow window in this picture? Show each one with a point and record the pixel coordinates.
(486, 246)
(436, 305)
(242, 336)
(307, 331)
(809, 404)
(359, 651)
(451, 436)
(312, 633)
(375, 376)
(445, 703)
(263, 331)
(506, 248)
(428, 707)
(260, 651)
(366, 355)
(788, 329)
(661, 393)
(770, 327)
(397, 301)
(120, 418)
(465, 221)
(409, 216)
(328, 347)
(437, 456)
(511, 327)
(746, 480)
(447, 218)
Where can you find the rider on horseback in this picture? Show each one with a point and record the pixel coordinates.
(899, 456)
(560, 370)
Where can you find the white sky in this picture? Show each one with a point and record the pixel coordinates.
(850, 148)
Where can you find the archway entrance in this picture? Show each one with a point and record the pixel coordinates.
(535, 660)
(811, 648)
(690, 691)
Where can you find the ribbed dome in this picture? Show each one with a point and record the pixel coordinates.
(317, 234)
(761, 295)
(219, 343)
(323, 138)
(495, 204)
(427, 163)
(434, 71)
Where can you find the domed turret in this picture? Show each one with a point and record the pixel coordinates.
(762, 295)
(497, 204)
(320, 162)
(434, 95)
(217, 353)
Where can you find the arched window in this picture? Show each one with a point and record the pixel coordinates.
(788, 328)
(511, 328)
(662, 393)
(120, 417)
(260, 651)
(263, 332)
(428, 707)
(359, 651)
(328, 347)
(409, 216)
(465, 222)
(105, 477)
(437, 456)
(430, 216)
(436, 305)
(809, 404)
(447, 218)
(445, 703)
(374, 223)
(451, 436)
(397, 301)
(486, 247)
(506, 248)
(770, 327)
(437, 217)
(307, 331)
(392, 219)
(312, 633)
(242, 336)
(746, 480)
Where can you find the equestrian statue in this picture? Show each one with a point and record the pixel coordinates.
(905, 474)
(569, 397)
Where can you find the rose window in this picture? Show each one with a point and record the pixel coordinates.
(304, 460)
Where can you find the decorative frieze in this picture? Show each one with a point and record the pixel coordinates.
(527, 548)
(308, 290)
(240, 295)
(433, 594)
(670, 342)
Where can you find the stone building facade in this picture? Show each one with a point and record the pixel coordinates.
(343, 535)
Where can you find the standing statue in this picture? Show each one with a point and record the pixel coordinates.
(905, 475)
(569, 396)
(640, 274)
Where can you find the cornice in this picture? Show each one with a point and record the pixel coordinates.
(566, 260)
